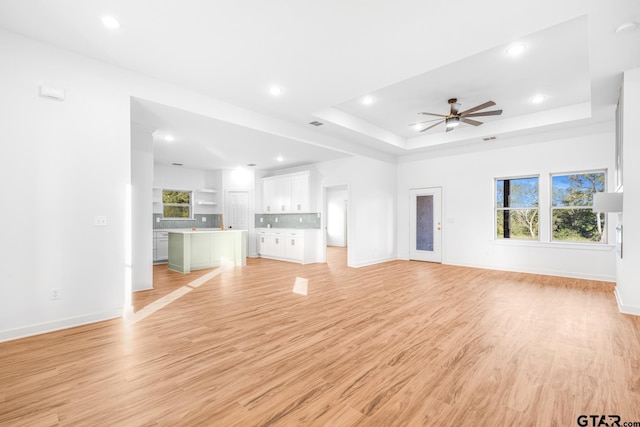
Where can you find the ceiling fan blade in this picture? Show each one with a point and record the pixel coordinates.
(432, 114)
(432, 126)
(483, 113)
(478, 107)
(470, 122)
(449, 129)
(426, 121)
(455, 107)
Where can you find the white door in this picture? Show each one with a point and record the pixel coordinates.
(237, 210)
(425, 224)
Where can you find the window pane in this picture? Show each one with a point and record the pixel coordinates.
(578, 225)
(170, 196)
(517, 193)
(520, 224)
(576, 189)
(176, 212)
(424, 223)
(176, 204)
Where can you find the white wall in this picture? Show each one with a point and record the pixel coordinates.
(467, 179)
(336, 216)
(628, 268)
(372, 206)
(141, 202)
(64, 162)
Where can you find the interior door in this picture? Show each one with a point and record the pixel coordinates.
(426, 224)
(237, 207)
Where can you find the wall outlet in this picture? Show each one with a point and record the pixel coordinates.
(204, 219)
(276, 219)
(100, 221)
(157, 219)
(56, 293)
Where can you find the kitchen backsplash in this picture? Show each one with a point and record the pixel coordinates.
(292, 220)
(211, 221)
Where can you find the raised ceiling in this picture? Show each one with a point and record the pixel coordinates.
(410, 55)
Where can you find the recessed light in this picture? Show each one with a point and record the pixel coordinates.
(280, 158)
(275, 90)
(515, 49)
(110, 22)
(169, 138)
(627, 27)
(367, 100)
(537, 99)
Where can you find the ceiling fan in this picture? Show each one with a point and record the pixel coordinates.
(454, 118)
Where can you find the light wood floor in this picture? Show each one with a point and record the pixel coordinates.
(396, 344)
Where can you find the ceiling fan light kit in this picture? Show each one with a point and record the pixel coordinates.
(452, 122)
(454, 117)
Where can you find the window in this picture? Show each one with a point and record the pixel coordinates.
(176, 204)
(517, 208)
(572, 219)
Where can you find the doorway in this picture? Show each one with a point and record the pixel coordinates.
(335, 210)
(425, 224)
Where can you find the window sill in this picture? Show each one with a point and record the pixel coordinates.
(604, 247)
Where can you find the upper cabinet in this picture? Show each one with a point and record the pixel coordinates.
(291, 193)
(300, 193)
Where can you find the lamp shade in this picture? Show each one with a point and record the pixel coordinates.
(607, 202)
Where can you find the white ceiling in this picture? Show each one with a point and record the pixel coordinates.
(410, 55)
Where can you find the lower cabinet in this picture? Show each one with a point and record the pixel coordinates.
(288, 245)
(160, 246)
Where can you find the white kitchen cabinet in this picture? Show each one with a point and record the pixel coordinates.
(288, 245)
(161, 246)
(294, 246)
(300, 193)
(291, 193)
(278, 244)
(283, 195)
(269, 198)
(276, 194)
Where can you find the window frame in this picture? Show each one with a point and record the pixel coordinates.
(189, 205)
(497, 209)
(605, 229)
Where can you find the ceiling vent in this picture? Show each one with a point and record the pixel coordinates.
(316, 123)
(489, 138)
(177, 164)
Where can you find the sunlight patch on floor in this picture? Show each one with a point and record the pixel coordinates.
(161, 303)
(301, 286)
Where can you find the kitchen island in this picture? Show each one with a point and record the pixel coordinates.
(197, 249)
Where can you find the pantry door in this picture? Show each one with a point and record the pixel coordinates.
(426, 224)
(237, 210)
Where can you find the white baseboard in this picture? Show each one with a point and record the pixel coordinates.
(626, 309)
(42, 328)
(557, 273)
(371, 262)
